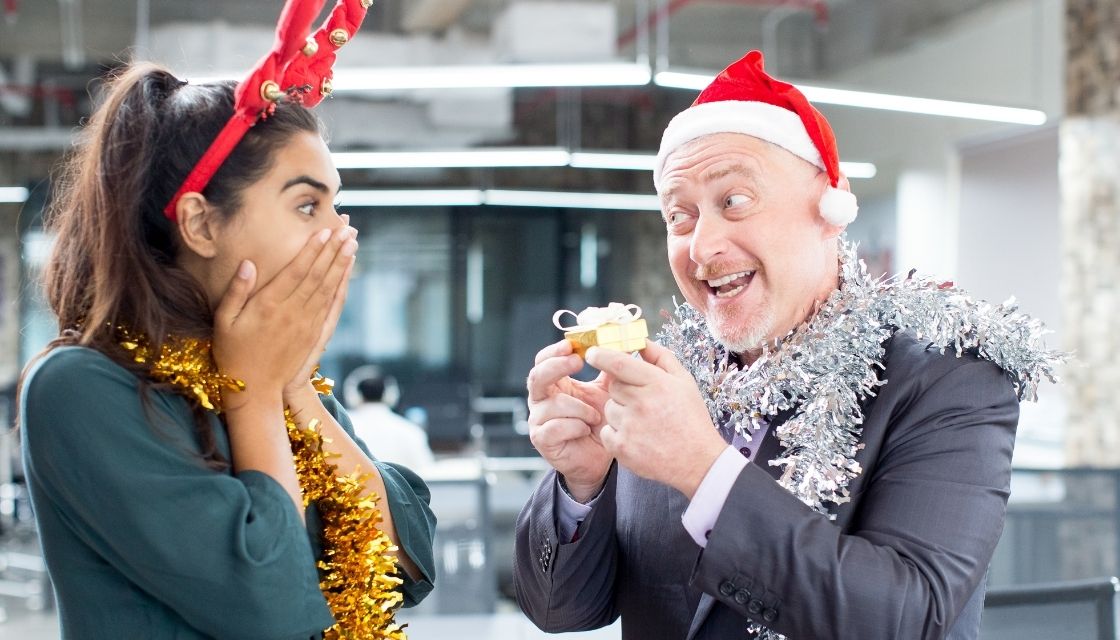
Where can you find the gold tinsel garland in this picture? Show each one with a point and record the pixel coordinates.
(184, 363)
(358, 569)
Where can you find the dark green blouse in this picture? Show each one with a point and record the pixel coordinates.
(142, 540)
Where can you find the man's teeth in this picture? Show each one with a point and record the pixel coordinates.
(719, 282)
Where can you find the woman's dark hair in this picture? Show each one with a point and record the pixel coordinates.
(114, 257)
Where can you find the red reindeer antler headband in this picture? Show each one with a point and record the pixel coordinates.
(298, 67)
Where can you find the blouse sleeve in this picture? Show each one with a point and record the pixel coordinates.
(409, 500)
(228, 553)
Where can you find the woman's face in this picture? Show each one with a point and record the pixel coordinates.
(279, 214)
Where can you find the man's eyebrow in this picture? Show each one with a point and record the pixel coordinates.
(711, 176)
(739, 169)
(308, 180)
(668, 194)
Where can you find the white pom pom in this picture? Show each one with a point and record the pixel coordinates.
(838, 207)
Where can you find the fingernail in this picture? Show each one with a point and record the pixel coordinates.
(350, 248)
(245, 271)
(324, 235)
(345, 219)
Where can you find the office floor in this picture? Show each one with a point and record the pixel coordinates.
(506, 625)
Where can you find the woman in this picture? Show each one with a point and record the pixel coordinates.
(159, 516)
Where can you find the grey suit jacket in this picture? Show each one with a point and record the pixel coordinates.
(905, 559)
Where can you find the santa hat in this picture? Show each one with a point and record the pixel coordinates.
(744, 99)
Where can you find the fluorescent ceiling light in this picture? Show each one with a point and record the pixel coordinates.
(597, 74)
(648, 162)
(855, 170)
(492, 76)
(611, 160)
(497, 197)
(411, 197)
(492, 157)
(573, 200)
(524, 157)
(14, 194)
(871, 100)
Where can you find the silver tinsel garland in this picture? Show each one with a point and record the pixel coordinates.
(824, 369)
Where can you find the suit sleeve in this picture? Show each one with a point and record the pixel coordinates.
(566, 586)
(409, 501)
(927, 526)
(227, 553)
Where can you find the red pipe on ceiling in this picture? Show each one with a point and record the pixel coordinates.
(818, 7)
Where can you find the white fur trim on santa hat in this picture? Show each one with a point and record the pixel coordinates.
(838, 206)
(759, 119)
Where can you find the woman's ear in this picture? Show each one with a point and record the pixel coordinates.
(198, 224)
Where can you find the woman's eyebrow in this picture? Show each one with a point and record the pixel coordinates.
(308, 180)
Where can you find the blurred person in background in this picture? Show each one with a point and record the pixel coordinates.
(372, 397)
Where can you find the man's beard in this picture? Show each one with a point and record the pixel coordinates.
(743, 336)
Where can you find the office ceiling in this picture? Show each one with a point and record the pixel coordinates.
(51, 49)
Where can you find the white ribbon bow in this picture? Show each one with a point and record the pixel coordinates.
(595, 317)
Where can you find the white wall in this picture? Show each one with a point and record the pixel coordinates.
(1010, 244)
(926, 233)
(1010, 228)
(1008, 53)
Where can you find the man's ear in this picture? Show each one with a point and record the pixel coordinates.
(198, 224)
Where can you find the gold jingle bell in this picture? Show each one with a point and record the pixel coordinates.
(327, 87)
(271, 91)
(311, 48)
(339, 37)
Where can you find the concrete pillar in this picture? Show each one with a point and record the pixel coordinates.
(1090, 178)
(9, 297)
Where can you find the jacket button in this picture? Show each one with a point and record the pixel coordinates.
(726, 589)
(770, 615)
(545, 556)
(742, 596)
(755, 607)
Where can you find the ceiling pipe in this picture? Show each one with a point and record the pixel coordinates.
(666, 10)
(11, 11)
(35, 138)
(73, 47)
(143, 38)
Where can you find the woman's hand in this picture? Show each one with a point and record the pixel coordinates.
(302, 378)
(266, 338)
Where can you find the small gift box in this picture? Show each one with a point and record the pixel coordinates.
(616, 326)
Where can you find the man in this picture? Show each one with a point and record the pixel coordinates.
(838, 470)
(390, 437)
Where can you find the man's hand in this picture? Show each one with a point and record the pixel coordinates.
(565, 417)
(657, 423)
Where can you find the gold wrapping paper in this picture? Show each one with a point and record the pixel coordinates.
(629, 337)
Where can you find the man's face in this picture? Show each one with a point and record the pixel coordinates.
(746, 243)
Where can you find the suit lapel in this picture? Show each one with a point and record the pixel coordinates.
(771, 446)
(702, 610)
